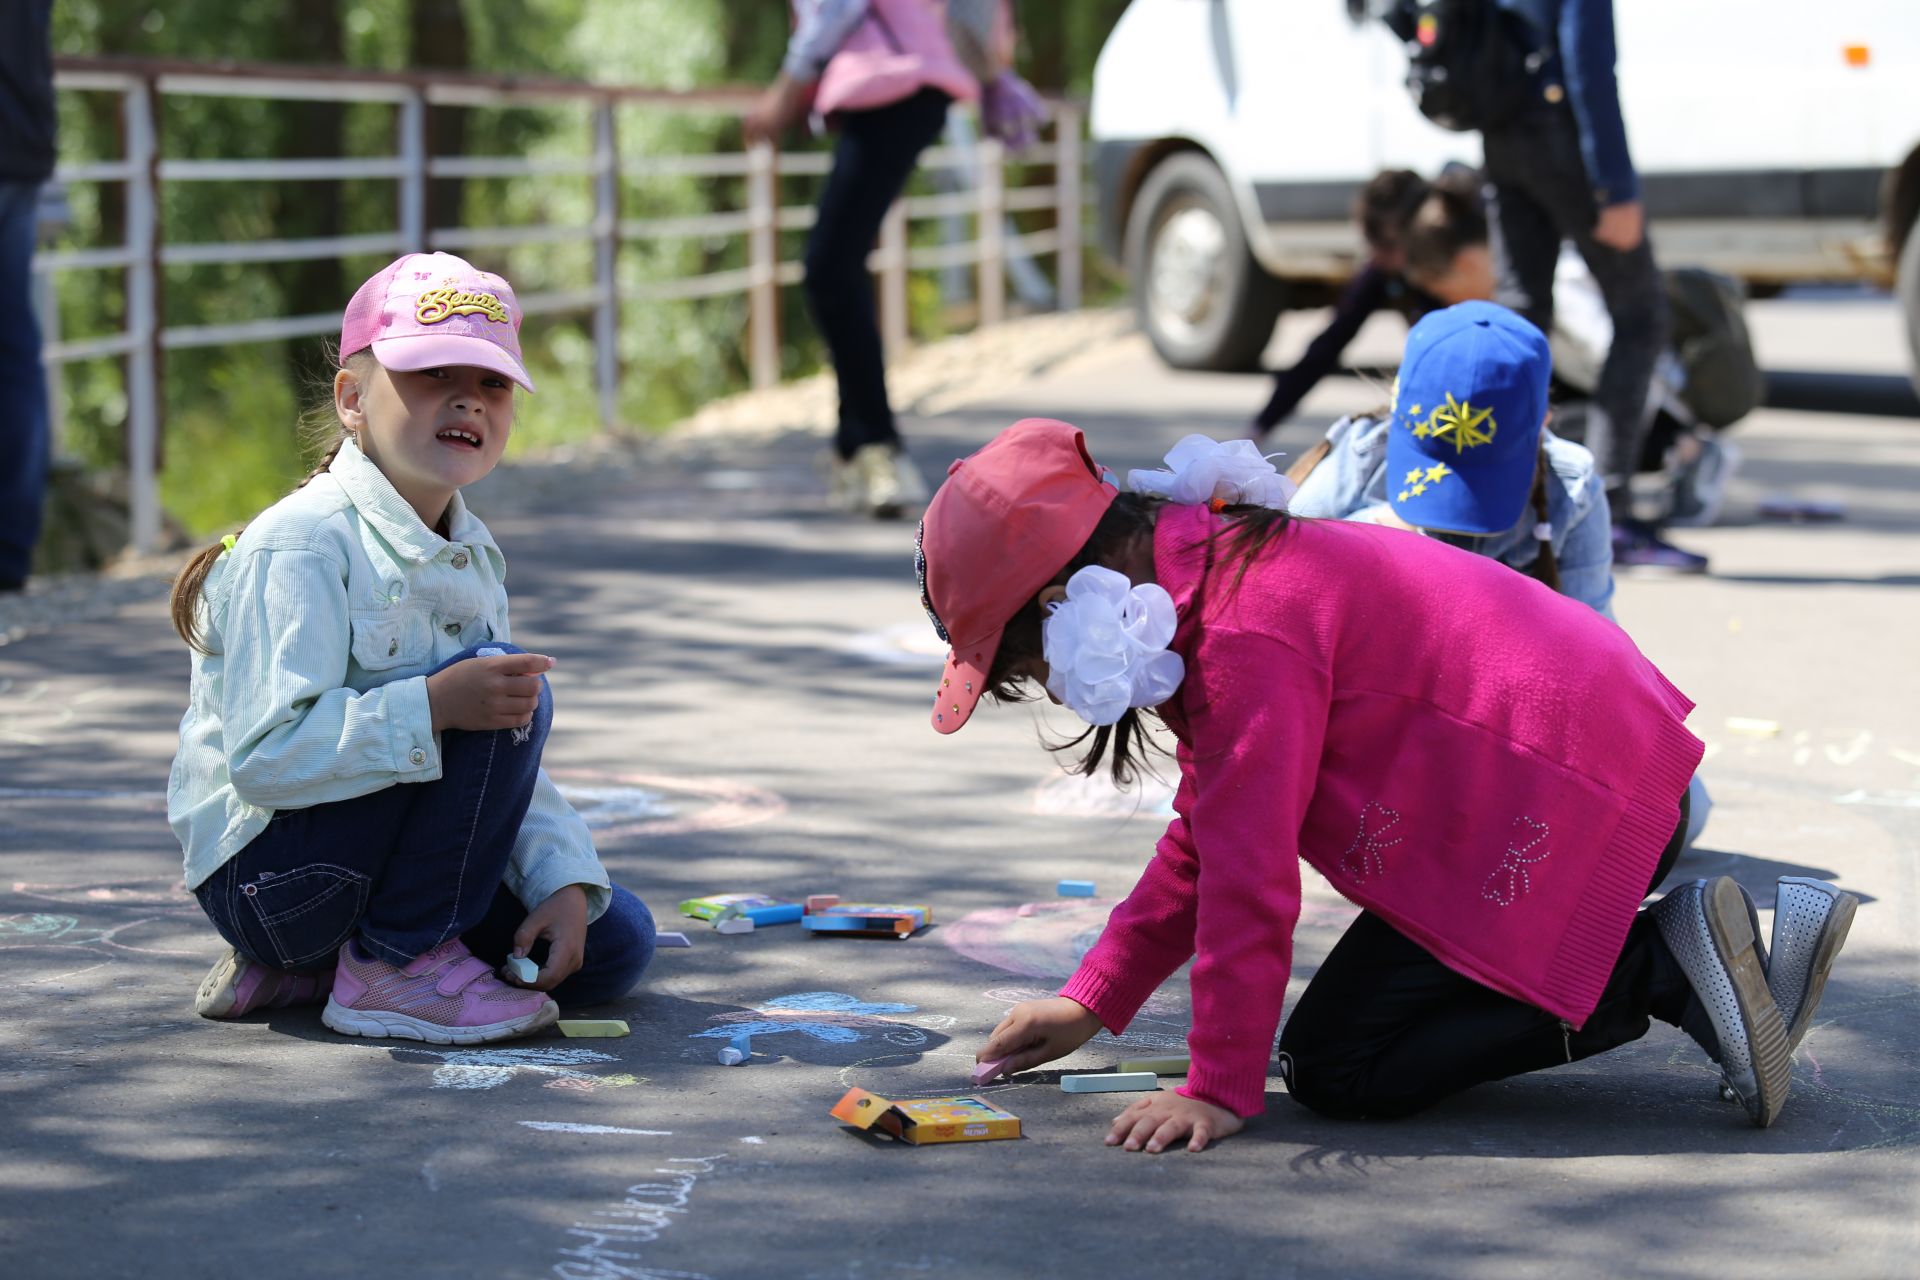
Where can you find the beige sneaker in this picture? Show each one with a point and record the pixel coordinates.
(877, 475)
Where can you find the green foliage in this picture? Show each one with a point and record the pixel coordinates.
(230, 411)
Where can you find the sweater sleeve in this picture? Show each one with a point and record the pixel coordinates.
(1587, 60)
(824, 26)
(1365, 294)
(1257, 743)
(1150, 934)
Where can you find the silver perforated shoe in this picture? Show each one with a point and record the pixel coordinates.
(1810, 923)
(1707, 927)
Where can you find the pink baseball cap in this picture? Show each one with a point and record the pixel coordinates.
(1005, 523)
(425, 310)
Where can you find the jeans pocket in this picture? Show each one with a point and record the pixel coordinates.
(308, 912)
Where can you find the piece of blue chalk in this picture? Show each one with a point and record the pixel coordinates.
(1120, 1082)
(1075, 889)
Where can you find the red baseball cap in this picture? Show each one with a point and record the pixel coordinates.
(1005, 523)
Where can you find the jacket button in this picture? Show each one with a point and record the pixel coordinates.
(459, 559)
(452, 628)
(417, 757)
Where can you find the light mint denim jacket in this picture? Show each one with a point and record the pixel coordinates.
(1350, 484)
(324, 619)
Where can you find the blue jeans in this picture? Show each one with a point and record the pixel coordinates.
(24, 444)
(407, 867)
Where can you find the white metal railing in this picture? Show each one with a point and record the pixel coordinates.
(144, 171)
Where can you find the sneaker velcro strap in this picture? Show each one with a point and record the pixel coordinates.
(461, 975)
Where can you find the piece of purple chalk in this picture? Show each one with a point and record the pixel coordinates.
(667, 939)
(985, 1071)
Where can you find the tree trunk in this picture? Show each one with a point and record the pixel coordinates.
(437, 40)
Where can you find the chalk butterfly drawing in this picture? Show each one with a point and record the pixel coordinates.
(1509, 881)
(1362, 859)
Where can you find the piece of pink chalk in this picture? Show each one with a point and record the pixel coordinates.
(985, 1071)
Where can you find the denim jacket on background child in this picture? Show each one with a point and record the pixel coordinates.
(325, 617)
(1351, 484)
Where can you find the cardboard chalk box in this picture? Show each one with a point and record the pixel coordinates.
(892, 920)
(924, 1121)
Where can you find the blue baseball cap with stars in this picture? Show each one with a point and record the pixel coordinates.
(1467, 412)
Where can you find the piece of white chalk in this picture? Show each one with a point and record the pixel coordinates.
(734, 924)
(521, 968)
(1119, 1082)
(730, 1056)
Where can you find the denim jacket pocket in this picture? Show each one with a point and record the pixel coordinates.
(384, 641)
(308, 912)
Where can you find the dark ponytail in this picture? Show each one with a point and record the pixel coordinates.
(1546, 566)
(321, 426)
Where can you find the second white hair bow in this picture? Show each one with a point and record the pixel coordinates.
(1201, 470)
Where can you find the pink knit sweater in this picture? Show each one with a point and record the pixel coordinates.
(1492, 768)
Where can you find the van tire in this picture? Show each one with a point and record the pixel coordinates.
(1213, 307)
(1907, 286)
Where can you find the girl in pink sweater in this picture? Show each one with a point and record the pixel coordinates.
(1492, 771)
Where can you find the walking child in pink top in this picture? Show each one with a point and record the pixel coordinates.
(1491, 770)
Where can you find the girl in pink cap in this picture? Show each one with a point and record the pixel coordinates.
(1492, 771)
(358, 789)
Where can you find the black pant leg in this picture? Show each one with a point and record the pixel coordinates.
(872, 161)
(1385, 1029)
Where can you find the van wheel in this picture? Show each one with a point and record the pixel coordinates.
(1907, 285)
(1201, 296)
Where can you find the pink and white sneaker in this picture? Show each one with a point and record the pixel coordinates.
(236, 986)
(446, 996)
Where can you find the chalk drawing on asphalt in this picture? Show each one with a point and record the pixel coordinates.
(626, 805)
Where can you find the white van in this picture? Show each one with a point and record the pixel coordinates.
(1776, 141)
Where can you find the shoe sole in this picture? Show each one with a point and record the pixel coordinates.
(1832, 936)
(379, 1024)
(220, 989)
(1735, 945)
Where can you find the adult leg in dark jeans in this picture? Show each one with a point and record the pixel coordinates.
(1386, 1030)
(402, 869)
(23, 389)
(1538, 195)
(872, 160)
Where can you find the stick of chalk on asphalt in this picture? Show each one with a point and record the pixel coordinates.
(666, 939)
(821, 901)
(520, 969)
(1750, 727)
(985, 1071)
(737, 1050)
(592, 1028)
(1120, 1082)
(733, 924)
(1075, 888)
(1159, 1066)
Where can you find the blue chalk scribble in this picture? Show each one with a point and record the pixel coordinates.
(829, 1016)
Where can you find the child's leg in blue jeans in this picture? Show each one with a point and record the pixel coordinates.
(404, 868)
(619, 946)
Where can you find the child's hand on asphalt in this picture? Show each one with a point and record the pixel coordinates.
(1161, 1119)
(1037, 1031)
(480, 694)
(562, 921)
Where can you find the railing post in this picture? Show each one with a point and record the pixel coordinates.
(606, 262)
(143, 318)
(413, 181)
(763, 264)
(993, 234)
(1069, 213)
(895, 335)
